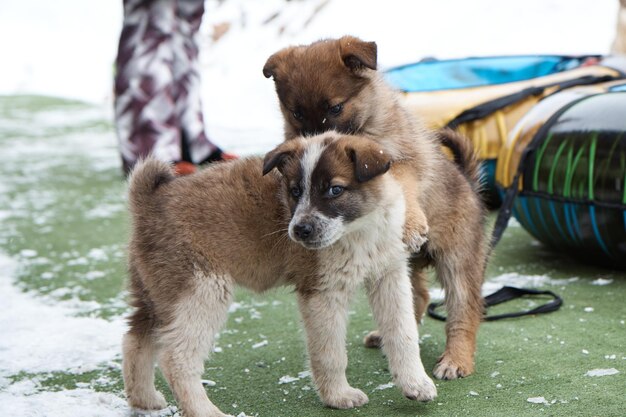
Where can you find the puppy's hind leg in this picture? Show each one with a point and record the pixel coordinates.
(139, 352)
(421, 297)
(325, 319)
(461, 277)
(392, 305)
(187, 340)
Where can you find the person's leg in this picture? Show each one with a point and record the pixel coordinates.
(197, 146)
(145, 112)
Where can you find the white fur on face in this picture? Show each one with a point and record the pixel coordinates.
(310, 160)
(326, 230)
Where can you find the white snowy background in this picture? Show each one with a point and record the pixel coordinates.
(66, 48)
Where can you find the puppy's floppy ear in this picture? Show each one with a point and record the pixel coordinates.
(271, 67)
(357, 54)
(369, 158)
(277, 157)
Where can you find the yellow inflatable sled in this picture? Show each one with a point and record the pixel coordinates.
(485, 97)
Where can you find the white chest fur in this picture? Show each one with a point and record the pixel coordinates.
(370, 246)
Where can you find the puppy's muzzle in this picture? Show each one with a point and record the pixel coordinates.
(313, 231)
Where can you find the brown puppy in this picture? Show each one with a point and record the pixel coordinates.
(194, 238)
(333, 84)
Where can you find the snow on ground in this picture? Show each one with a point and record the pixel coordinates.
(602, 281)
(384, 386)
(41, 337)
(38, 337)
(512, 279)
(525, 281)
(71, 403)
(602, 372)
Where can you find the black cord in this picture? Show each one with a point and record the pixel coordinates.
(507, 294)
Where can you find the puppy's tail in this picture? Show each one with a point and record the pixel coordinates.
(147, 176)
(465, 155)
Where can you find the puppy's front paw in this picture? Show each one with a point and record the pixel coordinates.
(416, 229)
(347, 397)
(150, 400)
(419, 389)
(448, 368)
(414, 241)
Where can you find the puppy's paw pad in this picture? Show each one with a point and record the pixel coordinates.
(373, 340)
(449, 369)
(421, 389)
(346, 398)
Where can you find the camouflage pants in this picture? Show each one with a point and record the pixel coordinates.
(157, 83)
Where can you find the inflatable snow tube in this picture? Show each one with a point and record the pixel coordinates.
(483, 98)
(567, 159)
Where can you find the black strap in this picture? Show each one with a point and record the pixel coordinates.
(485, 109)
(506, 209)
(489, 107)
(507, 294)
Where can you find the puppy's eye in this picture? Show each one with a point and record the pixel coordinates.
(335, 191)
(296, 192)
(336, 109)
(297, 115)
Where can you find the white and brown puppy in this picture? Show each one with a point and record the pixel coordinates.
(194, 238)
(333, 84)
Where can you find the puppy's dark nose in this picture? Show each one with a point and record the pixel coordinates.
(303, 230)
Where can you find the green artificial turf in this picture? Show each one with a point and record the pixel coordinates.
(63, 200)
